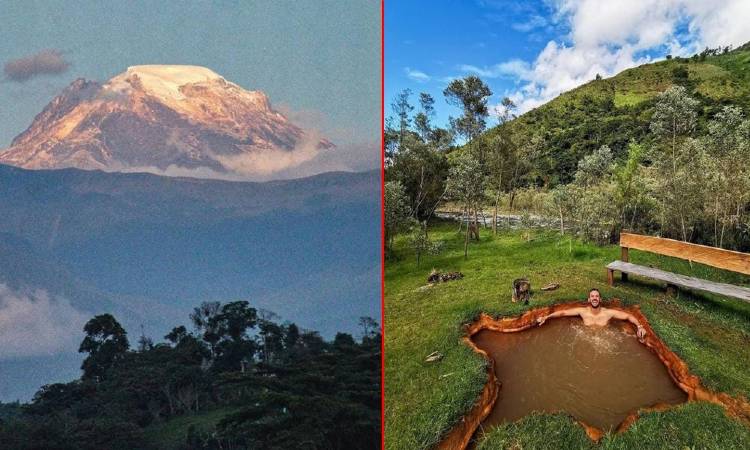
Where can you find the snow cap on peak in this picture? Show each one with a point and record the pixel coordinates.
(163, 80)
(174, 73)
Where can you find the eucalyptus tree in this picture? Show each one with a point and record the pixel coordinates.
(420, 241)
(466, 184)
(422, 171)
(397, 211)
(676, 160)
(471, 94)
(424, 116)
(402, 109)
(631, 189)
(595, 167)
(501, 158)
(728, 173)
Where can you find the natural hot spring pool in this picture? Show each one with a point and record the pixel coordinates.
(598, 375)
(602, 377)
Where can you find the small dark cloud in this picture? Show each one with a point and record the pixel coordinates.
(46, 62)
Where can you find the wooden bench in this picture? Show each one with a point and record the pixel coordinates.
(710, 256)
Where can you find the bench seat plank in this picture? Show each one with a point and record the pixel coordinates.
(711, 256)
(682, 280)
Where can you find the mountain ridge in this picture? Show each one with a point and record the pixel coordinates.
(613, 111)
(149, 248)
(163, 116)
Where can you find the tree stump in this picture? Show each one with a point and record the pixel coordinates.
(521, 290)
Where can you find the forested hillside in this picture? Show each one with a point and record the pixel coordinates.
(147, 248)
(616, 110)
(662, 149)
(239, 380)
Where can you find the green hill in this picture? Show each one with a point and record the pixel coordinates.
(614, 110)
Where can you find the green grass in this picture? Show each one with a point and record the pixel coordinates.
(172, 433)
(629, 98)
(693, 425)
(424, 400)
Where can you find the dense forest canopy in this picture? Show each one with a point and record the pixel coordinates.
(276, 386)
(661, 149)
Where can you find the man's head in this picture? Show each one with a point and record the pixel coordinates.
(595, 298)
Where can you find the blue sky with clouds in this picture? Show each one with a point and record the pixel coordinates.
(532, 51)
(320, 59)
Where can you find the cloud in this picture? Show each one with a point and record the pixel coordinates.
(514, 68)
(416, 75)
(306, 159)
(350, 154)
(356, 156)
(46, 62)
(449, 79)
(33, 324)
(607, 37)
(533, 22)
(264, 164)
(276, 164)
(353, 151)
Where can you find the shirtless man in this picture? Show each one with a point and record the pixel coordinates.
(594, 315)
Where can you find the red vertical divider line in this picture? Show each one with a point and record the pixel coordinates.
(382, 224)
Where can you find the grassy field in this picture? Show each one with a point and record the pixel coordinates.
(173, 433)
(424, 400)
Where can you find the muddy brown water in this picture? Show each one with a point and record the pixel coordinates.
(597, 374)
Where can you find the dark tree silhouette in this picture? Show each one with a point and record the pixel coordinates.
(105, 342)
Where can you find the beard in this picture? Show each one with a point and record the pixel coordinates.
(595, 305)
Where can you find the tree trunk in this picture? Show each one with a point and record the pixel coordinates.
(476, 225)
(167, 393)
(466, 243)
(494, 218)
(716, 221)
(674, 177)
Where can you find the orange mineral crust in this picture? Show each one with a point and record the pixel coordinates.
(461, 434)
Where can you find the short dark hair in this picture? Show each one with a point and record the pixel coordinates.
(595, 289)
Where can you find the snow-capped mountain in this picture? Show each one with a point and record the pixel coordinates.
(163, 117)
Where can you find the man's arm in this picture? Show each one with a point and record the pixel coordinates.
(562, 313)
(622, 315)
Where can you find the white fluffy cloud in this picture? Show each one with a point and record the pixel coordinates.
(514, 68)
(33, 324)
(416, 75)
(606, 37)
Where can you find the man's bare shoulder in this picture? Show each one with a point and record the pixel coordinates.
(617, 313)
(576, 311)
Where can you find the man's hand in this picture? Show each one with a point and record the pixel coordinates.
(641, 333)
(540, 320)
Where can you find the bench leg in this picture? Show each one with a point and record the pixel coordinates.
(610, 277)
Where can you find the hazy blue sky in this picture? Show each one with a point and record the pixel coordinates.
(532, 51)
(319, 58)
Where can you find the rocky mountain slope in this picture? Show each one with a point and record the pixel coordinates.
(163, 117)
